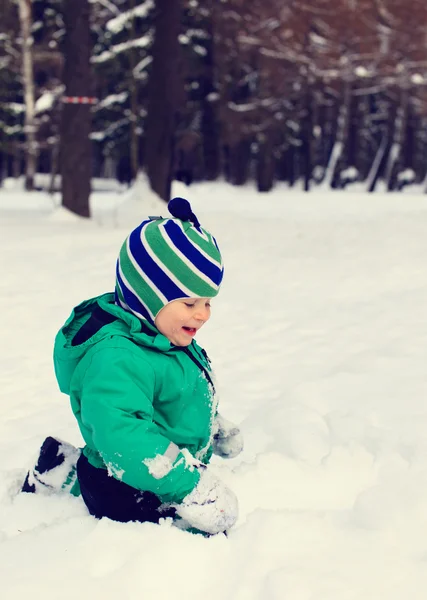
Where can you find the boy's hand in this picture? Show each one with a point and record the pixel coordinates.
(227, 440)
(211, 507)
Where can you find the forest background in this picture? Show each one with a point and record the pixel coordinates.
(314, 93)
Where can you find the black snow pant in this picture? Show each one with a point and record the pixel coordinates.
(108, 497)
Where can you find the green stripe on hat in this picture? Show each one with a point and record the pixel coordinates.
(119, 293)
(207, 246)
(138, 283)
(172, 261)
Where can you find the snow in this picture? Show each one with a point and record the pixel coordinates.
(249, 106)
(114, 126)
(111, 100)
(42, 181)
(159, 466)
(350, 173)
(121, 21)
(15, 107)
(417, 79)
(141, 42)
(142, 65)
(107, 4)
(45, 102)
(318, 339)
(361, 71)
(200, 50)
(407, 175)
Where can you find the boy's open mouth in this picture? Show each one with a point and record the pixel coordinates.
(190, 330)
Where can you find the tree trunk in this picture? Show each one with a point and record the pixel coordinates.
(307, 135)
(394, 155)
(3, 156)
(374, 173)
(53, 166)
(17, 161)
(239, 158)
(76, 146)
(339, 151)
(265, 163)
(134, 108)
(290, 157)
(210, 127)
(25, 16)
(409, 141)
(162, 102)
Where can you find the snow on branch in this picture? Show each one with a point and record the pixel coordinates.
(99, 136)
(141, 42)
(142, 65)
(14, 107)
(198, 49)
(45, 102)
(11, 130)
(198, 33)
(119, 23)
(111, 100)
(242, 107)
(106, 4)
(249, 40)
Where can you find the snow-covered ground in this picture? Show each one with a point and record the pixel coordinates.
(319, 340)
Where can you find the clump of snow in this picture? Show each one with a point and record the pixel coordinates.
(117, 49)
(190, 460)
(407, 175)
(15, 107)
(45, 102)
(111, 100)
(115, 471)
(417, 79)
(361, 71)
(118, 23)
(139, 202)
(159, 466)
(351, 173)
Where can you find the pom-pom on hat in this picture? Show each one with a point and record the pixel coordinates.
(167, 259)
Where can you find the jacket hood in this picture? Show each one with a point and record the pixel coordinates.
(69, 349)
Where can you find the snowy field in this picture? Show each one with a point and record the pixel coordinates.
(319, 342)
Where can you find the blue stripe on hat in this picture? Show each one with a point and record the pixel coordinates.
(160, 279)
(130, 298)
(202, 264)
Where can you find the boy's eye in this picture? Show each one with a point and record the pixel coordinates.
(192, 305)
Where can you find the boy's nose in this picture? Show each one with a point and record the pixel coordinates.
(202, 314)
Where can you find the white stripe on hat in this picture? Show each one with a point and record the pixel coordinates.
(184, 259)
(185, 290)
(201, 232)
(144, 275)
(198, 248)
(128, 285)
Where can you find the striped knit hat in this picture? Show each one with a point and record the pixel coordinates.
(166, 259)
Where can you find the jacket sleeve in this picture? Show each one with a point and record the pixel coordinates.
(117, 407)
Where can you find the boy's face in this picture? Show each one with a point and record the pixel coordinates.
(179, 320)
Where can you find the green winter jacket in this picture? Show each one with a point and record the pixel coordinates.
(138, 399)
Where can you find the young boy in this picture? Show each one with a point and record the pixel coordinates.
(141, 388)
